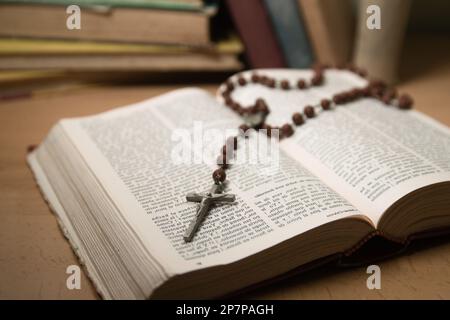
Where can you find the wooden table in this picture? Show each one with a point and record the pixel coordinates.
(34, 255)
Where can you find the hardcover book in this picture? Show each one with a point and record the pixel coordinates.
(135, 21)
(355, 172)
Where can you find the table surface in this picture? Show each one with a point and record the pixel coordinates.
(34, 254)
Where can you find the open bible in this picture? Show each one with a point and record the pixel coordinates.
(118, 185)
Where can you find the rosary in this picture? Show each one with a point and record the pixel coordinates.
(255, 118)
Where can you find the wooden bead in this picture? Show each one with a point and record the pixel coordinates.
(255, 78)
(355, 94)
(219, 175)
(287, 130)
(228, 101)
(338, 99)
(235, 106)
(366, 91)
(388, 96)
(261, 106)
(309, 111)
(263, 80)
(285, 85)
(348, 96)
(229, 86)
(405, 102)
(301, 84)
(271, 83)
(242, 81)
(297, 118)
(317, 79)
(326, 104)
(376, 92)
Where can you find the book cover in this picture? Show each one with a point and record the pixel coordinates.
(291, 32)
(255, 29)
(330, 27)
(378, 50)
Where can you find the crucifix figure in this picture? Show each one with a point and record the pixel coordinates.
(206, 200)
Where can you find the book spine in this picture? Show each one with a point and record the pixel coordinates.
(254, 27)
(291, 33)
(330, 26)
(378, 50)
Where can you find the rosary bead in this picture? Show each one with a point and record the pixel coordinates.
(376, 92)
(235, 106)
(285, 85)
(388, 96)
(229, 86)
(261, 106)
(338, 98)
(365, 91)
(348, 96)
(228, 101)
(255, 78)
(326, 104)
(271, 83)
(219, 175)
(405, 102)
(317, 79)
(242, 81)
(309, 111)
(241, 111)
(356, 93)
(263, 80)
(297, 118)
(301, 84)
(287, 130)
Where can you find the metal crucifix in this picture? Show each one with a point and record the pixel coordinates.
(206, 200)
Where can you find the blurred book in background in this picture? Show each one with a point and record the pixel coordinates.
(148, 37)
(291, 32)
(378, 50)
(330, 24)
(116, 37)
(22, 54)
(255, 29)
(168, 22)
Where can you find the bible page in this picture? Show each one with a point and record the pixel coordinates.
(370, 153)
(148, 156)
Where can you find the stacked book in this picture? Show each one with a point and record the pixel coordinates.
(113, 35)
(298, 33)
